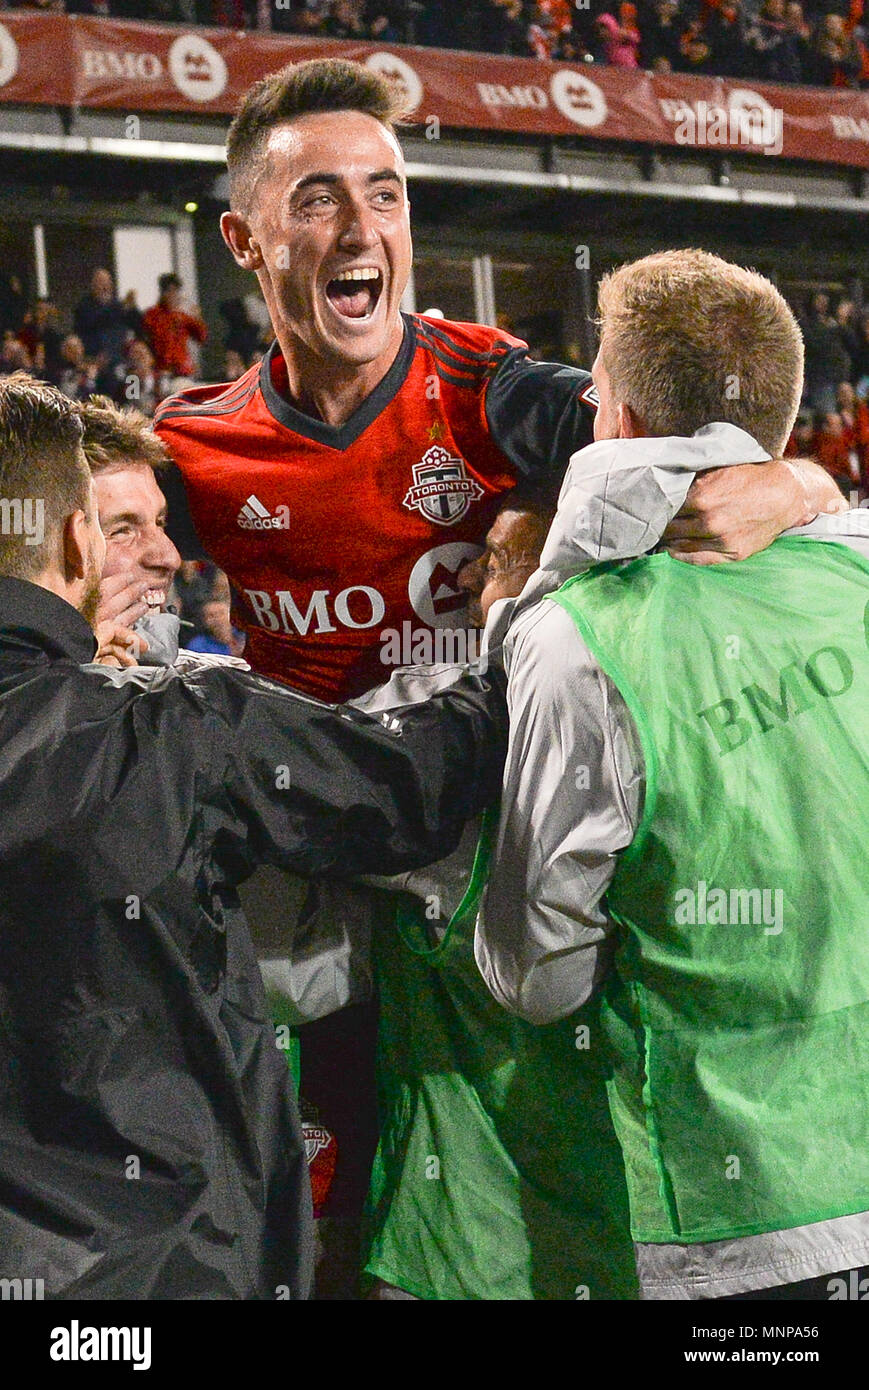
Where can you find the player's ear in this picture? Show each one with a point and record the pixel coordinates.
(75, 546)
(630, 424)
(235, 230)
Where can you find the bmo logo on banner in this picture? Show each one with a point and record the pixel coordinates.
(571, 93)
(400, 74)
(102, 64)
(8, 56)
(196, 68)
(577, 98)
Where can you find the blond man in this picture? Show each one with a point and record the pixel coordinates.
(685, 816)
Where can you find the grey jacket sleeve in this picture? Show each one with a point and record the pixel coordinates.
(573, 788)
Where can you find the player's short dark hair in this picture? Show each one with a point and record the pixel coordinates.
(318, 85)
(41, 463)
(540, 498)
(115, 438)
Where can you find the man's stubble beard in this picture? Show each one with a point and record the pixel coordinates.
(90, 601)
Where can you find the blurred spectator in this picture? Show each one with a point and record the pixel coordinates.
(551, 20)
(620, 37)
(860, 364)
(725, 31)
(773, 45)
(802, 441)
(243, 335)
(133, 382)
(41, 337)
(660, 49)
(133, 314)
(101, 321)
(344, 20)
(78, 372)
(217, 636)
(379, 24)
(846, 322)
(193, 585)
(835, 59)
(503, 27)
(831, 449)
(800, 32)
(170, 328)
(827, 362)
(855, 427)
(697, 53)
(14, 356)
(12, 303)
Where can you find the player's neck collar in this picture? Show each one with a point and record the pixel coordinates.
(339, 436)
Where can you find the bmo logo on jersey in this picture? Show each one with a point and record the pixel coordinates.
(443, 490)
(358, 606)
(433, 589)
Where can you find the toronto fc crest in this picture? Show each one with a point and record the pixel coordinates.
(442, 487)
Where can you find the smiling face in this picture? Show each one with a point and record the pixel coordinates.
(328, 233)
(132, 513)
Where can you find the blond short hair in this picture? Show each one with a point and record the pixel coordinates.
(688, 338)
(115, 438)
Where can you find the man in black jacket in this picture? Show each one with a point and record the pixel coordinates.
(149, 1139)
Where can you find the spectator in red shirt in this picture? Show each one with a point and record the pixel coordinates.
(855, 424)
(833, 453)
(169, 329)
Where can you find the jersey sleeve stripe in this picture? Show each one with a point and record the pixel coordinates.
(469, 355)
(463, 381)
(176, 408)
(473, 373)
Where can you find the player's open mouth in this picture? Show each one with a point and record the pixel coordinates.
(354, 294)
(155, 598)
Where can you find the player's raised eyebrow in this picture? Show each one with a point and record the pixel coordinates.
(331, 179)
(133, 518)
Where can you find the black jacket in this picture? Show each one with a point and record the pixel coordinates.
(149, 1140)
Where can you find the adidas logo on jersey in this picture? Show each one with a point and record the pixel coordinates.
(255, 517)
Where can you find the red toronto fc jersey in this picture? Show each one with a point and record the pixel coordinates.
(334, 537)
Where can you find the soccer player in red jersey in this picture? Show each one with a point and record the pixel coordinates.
(344, 481)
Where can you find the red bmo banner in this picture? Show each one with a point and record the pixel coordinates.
(65, 60)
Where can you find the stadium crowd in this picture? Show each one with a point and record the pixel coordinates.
(816, 42)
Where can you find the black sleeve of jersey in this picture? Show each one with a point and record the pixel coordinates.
(179, 523)
(540, 413)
